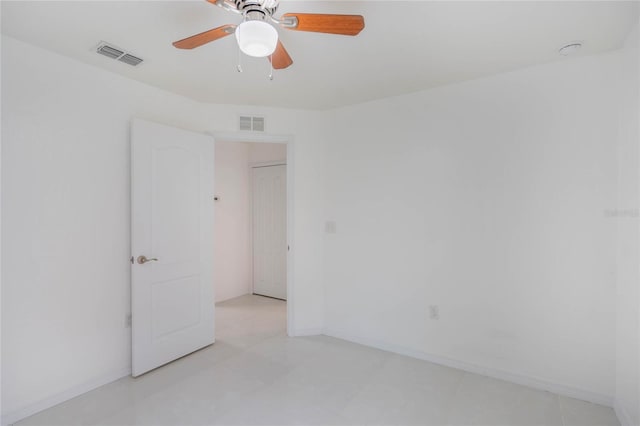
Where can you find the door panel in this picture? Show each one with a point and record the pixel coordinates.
(175, 204)
(270, 231)
(171, 221)
(175, 306)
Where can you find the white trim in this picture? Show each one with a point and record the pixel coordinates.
(520, 379)
(66, 395)
(267, 164)
(306, 332)
(291, 324)
(251, 137)
(623, 415)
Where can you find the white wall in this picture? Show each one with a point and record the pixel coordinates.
(627, 218)
(486, 198)
(1, 273)
(65, 198)
(267, 152)
(233, 241)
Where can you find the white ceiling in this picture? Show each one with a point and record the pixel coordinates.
(406, 45)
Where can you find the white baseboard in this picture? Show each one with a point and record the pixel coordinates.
(34, 408)
(623, 415)
(306, 332)
(520, 379)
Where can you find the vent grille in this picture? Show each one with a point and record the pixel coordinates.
(245, 123)
(258, 124)
(113, 52)
(130, 59)
(253, 124)
(110, 52)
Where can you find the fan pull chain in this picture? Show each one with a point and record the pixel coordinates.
(271, 68)
(239, 67)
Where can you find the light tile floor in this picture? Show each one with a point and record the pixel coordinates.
(255, 375)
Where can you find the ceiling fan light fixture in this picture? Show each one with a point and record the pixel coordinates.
(257, 38)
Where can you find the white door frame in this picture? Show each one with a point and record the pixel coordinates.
(253, 137)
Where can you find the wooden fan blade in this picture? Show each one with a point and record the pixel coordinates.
(322, 23)
(205, 37)
(280, 58)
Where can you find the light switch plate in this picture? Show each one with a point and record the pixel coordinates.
(330, 227)
(434, 312)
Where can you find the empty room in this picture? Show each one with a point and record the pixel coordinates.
(272, 212)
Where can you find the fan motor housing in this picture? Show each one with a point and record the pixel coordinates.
(252, 7)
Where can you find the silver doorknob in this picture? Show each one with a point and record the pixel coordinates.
(143, 259)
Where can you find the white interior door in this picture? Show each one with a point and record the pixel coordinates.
(172, 226)
(270, 231)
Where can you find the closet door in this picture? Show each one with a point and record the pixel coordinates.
(270, 231)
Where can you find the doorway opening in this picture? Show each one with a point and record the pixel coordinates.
(251, 239)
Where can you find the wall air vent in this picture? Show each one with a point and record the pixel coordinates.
(258, 124)
(252, 124)
(113, 52)
(245, 123)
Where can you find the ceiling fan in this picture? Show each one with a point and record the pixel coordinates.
(257, 36)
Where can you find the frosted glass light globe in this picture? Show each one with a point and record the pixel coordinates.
(257, 38)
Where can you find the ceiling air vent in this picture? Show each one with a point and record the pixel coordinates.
(113, 52)
(254, 124)
(130, 59)
(109, 51)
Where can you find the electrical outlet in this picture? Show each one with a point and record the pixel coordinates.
(434, 312)
(127, 321)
